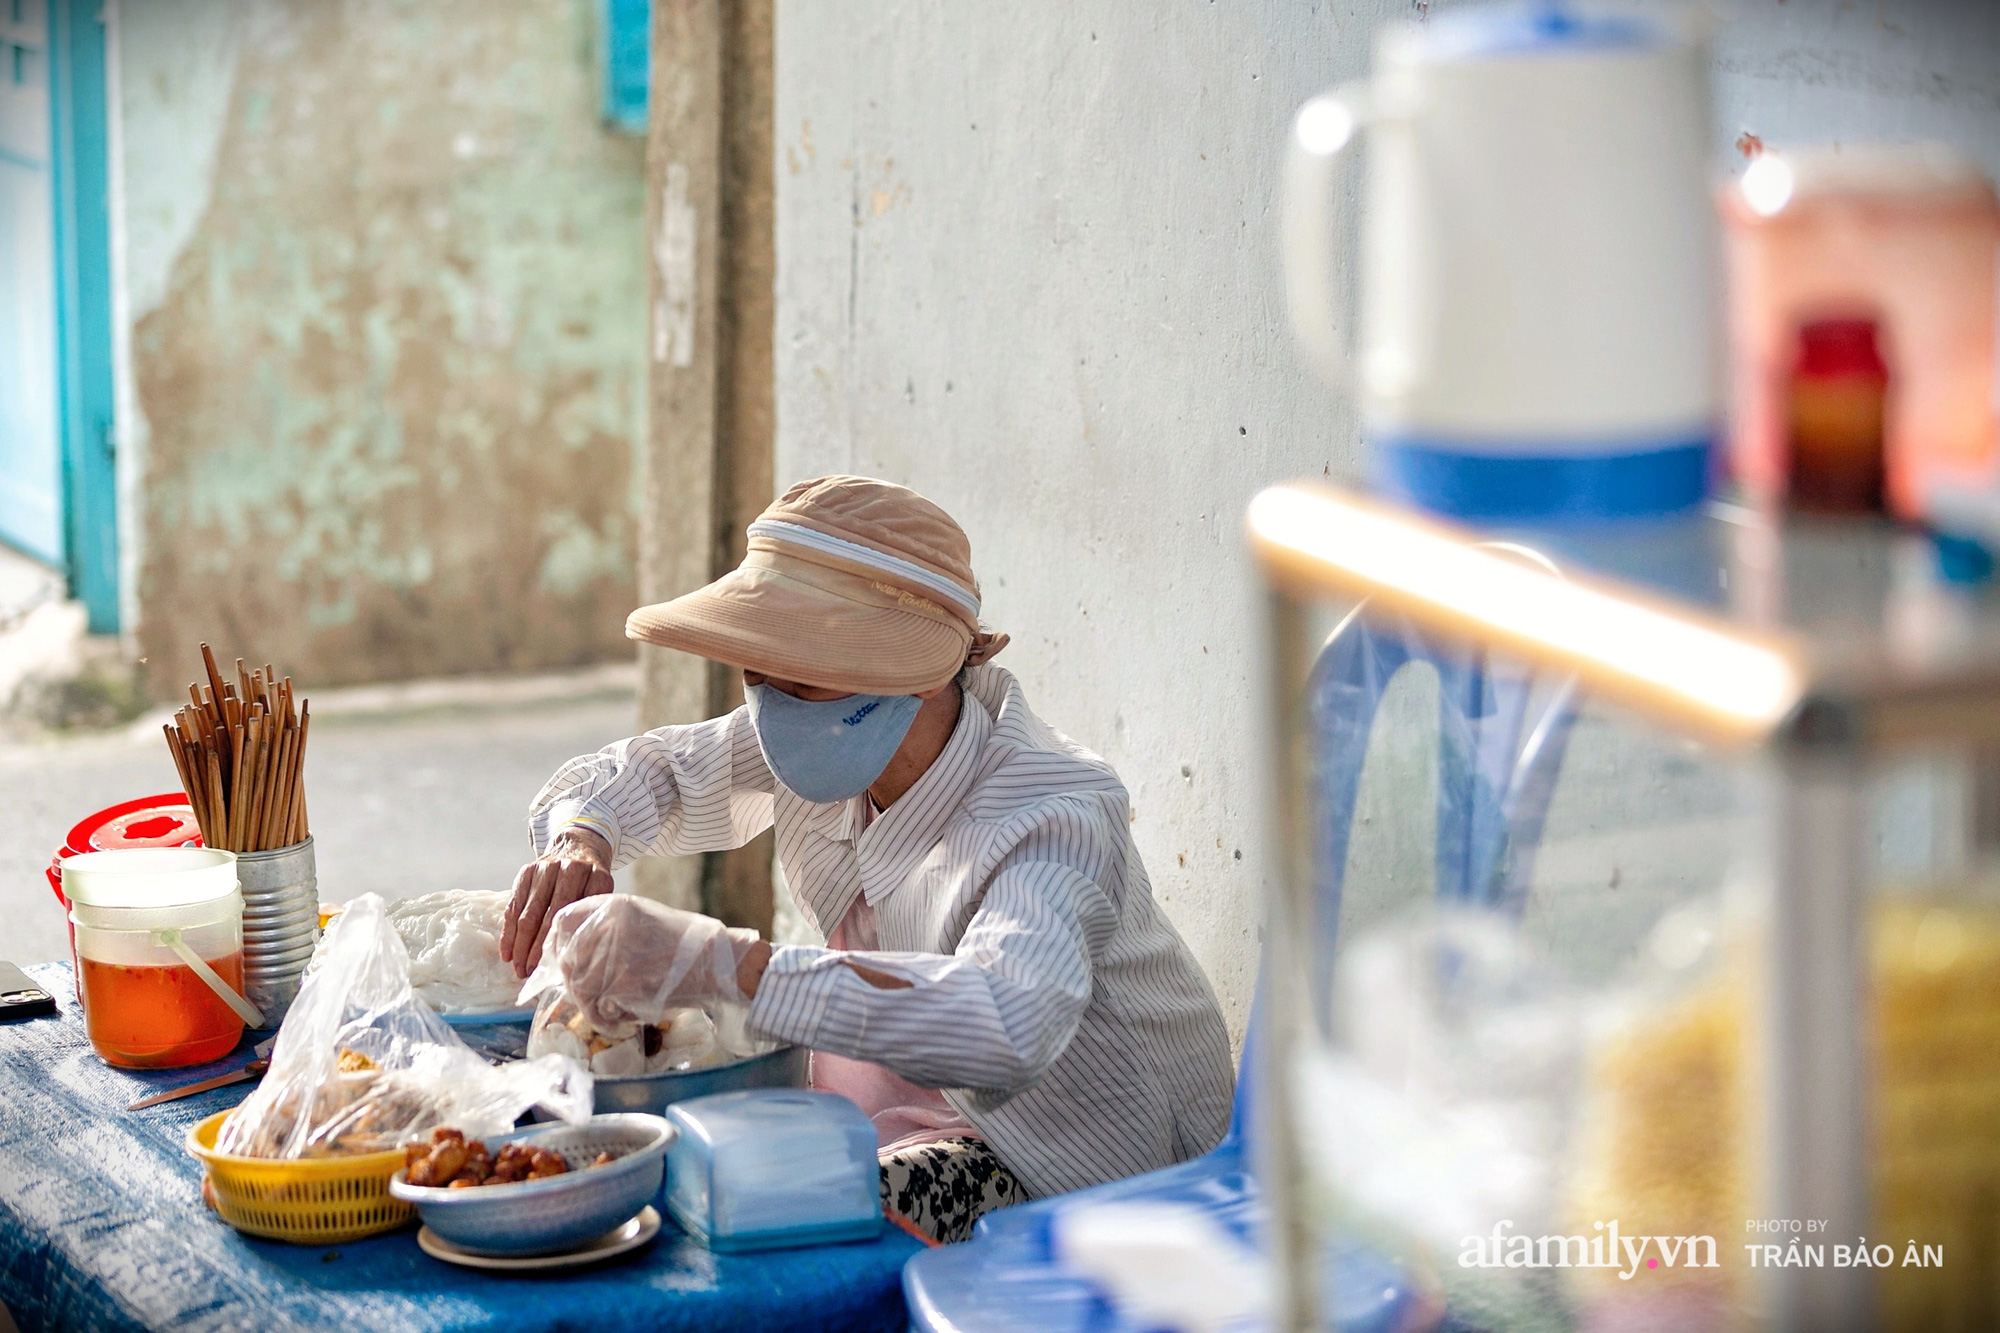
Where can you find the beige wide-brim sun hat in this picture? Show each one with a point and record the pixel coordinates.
(848, 583)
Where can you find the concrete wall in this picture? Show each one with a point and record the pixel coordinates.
(383, 308)
(1027, 265)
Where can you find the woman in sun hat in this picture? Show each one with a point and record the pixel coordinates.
(999, 990)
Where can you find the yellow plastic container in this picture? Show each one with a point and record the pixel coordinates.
(310, 1201)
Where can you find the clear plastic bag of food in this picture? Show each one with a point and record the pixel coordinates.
(362, 1065)
(694, 1037)
(647, 1032)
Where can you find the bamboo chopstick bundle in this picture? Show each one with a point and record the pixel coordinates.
(240, 751)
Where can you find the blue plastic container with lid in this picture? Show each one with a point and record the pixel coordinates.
(768, 1168)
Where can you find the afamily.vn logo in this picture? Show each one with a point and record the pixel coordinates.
(1607, 1249)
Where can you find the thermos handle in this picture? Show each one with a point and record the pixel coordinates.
(1314, 166)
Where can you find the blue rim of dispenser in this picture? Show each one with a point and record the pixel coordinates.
(1538, 28)
(1527, 486)
(1960, 559)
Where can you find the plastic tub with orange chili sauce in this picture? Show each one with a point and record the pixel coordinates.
(159, 941)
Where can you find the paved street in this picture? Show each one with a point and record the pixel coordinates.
(400, 804)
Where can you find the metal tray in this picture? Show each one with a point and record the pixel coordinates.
(653, 1093)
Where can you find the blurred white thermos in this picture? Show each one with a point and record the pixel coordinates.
(1536, 292)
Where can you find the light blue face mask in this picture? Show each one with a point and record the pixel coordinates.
(830, 750)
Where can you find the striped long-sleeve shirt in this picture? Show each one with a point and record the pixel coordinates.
(1049, 997)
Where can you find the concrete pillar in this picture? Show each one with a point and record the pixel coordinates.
(710, 421)
(738, 884)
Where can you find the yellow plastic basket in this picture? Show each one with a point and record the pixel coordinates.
(312, 1201)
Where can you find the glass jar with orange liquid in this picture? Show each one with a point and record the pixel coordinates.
(1862, 325)
(159, 943)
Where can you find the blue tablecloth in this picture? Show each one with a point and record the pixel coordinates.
(102, 1227)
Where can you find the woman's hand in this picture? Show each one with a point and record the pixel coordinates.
(576, 865)
(629, 960)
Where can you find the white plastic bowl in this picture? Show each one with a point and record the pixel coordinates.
(561, 1212)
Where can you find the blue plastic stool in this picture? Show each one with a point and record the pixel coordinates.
(1501, 742)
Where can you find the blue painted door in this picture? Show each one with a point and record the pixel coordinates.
(31, 511)
(625, 50)
(79, 157)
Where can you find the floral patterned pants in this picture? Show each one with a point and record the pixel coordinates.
(944, 1187)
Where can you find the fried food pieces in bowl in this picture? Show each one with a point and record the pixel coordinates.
(449, 1162)
(612, 1166)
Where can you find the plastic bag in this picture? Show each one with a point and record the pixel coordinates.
(636, 959)
(1448, 1097)
(362, 1065)
(626, 960)
(683, 1039)
(454, 943)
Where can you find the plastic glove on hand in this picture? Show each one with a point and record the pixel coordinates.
(627, 960)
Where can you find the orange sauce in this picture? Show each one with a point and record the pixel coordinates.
(160, 1017)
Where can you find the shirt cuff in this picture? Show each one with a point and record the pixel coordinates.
(795, 993)
(583, 814)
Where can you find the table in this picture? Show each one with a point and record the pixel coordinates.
(102, 1227)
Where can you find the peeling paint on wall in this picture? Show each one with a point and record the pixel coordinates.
(394, 375)
(177, 64)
